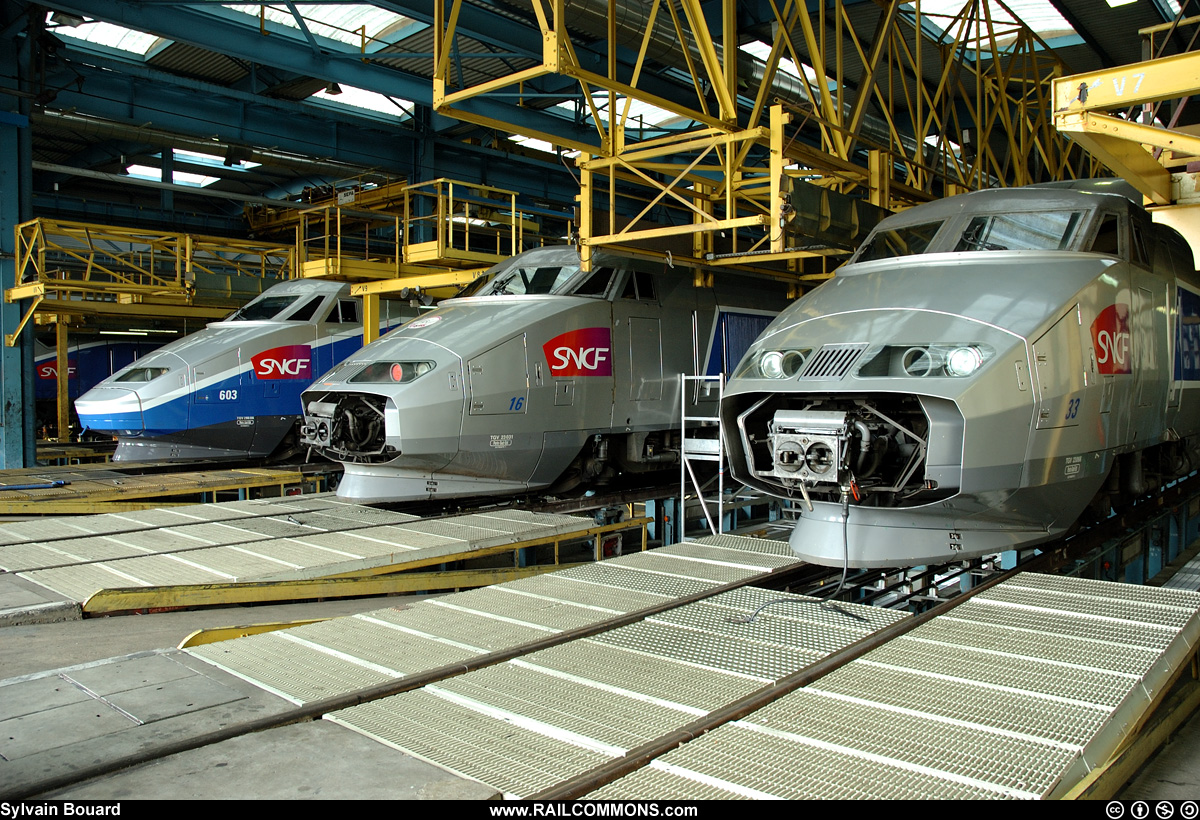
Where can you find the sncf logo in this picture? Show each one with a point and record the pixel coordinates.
(287, 362)
(49, 370)
(585, 352)
(1112, 340)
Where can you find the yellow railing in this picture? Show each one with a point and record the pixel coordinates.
(77, 267)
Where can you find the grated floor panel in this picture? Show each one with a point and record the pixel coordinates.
(463, 741)
(945, 713)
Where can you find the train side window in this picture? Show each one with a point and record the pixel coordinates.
(1108, 237)
(1138, 253)
(596, 284)
(346, 312)
(308, 310)
(640, 286)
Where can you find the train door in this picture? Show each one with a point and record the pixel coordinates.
(1148, 326)
(1151, 381)
(1058, 360)
(341, 334)
(219, 401)
(500, 437)
(653, 342)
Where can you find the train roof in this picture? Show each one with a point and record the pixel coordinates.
(999, 200)
(307, 286)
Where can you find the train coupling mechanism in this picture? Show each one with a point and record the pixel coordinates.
(810, 446)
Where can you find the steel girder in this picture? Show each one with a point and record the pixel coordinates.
(217, 29)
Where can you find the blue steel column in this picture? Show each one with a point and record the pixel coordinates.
(16, 363)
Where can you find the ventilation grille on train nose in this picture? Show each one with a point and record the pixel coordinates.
(832, 361)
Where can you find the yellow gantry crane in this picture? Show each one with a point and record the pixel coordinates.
(1100, 110)
(976, 92)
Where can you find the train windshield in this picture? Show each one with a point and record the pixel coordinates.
(907, 241)
(262, 309)
(1039, 231)
(541, 272)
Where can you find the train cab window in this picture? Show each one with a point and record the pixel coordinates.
(262, 309)
(308, 310)
(345, 312)
(907, 241)
(595, 284)
(1138, 253)
(1108, 236)
(1039, 231)
(530, 281)
(640, 286)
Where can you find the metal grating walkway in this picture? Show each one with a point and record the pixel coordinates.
(276, 540)
(343, 654)
(532, 722)
(1014, 694)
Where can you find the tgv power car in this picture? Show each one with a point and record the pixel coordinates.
(88, 363)
(541, 375)
(232, 389)
(984, 368)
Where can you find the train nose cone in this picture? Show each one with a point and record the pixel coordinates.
(110, 408)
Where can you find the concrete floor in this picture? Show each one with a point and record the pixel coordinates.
(165, 695)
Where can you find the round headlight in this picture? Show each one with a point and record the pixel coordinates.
(772, 364)
(917, 362)
(397, 372)
(963, 361)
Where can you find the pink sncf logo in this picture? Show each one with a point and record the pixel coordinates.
(287, 362)
(49, 370)
(1112, 341)
(586, 352)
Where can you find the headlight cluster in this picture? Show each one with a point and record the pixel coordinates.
(772, 364)
(925, 360)
(391, 372)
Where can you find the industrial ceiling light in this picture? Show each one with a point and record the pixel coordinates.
(333, 88)
(62, 18)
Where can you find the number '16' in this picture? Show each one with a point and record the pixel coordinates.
(516, 403)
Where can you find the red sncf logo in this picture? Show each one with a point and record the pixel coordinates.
(585, 352)
(1112, 341)
(287, 362)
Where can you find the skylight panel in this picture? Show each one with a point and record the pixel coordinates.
(540, 145)
(759, 49)
(1039, 16)
(178, 177)
(197, 158)
(367, 100)
(106, 34)
(344, 23)
(641, 114)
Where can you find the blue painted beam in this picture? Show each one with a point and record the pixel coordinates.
(214, 28)
(188, 111)
(16, 156)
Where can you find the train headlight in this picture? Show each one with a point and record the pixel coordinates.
(920, 361)
(773, 364)
(963, 361)
(391, 372)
